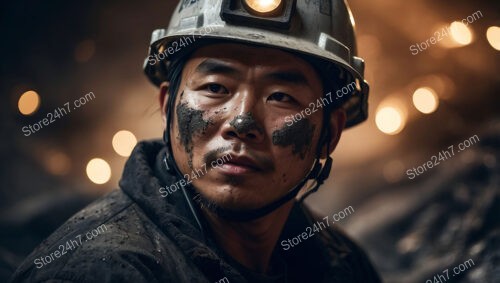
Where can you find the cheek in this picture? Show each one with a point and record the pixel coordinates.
(196, 121)
(298, 135)
(290, 169)
(190, 124)
(299, 139)
(193, 128)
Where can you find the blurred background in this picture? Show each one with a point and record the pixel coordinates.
(421, 103)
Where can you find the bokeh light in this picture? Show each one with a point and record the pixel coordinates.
(425, 100)
(390, 120)
(98, 171)
(28, 103)
(493, 36)
(57, 163)
(461, 33)
(124, 142)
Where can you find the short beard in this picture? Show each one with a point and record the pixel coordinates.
(204, 202)
(219, 211)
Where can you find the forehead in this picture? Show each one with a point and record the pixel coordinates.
(243, 56)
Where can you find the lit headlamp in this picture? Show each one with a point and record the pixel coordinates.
(263, 7)
(270, 13)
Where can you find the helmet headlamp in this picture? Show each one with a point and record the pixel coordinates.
(265, 13)
(263, 7)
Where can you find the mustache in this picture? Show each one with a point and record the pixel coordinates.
(265, 163)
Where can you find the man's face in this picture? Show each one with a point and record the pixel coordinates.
(234, 100)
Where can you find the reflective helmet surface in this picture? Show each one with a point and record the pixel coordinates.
(319, 29)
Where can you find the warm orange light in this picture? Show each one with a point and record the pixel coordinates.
(493, 36)
(123, 142)
(98, 171)
(425, 100)
(390, 120)
(461, 33)
(28, 103)
(263, 6)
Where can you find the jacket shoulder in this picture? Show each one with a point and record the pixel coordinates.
(109, 240)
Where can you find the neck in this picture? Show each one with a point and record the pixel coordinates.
(251, 243)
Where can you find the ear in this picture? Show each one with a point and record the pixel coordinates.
(163, 99)
(337, 124)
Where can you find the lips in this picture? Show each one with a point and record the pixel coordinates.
(240, 165)
(244, 161)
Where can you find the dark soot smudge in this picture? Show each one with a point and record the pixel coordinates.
(298, 134)
(190, 122)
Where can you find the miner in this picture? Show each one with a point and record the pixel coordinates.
(224, 98)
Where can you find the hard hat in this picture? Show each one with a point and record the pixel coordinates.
(320, 29)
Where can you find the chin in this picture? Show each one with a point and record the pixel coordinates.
(230, 197)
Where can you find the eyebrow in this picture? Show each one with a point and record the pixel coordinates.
(214, 66)
(292, 77)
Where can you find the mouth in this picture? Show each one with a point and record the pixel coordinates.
(239, 165)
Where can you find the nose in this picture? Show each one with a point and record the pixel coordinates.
(245, 128)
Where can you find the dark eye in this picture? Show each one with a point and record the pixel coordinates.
(281, 97)
(216, 88)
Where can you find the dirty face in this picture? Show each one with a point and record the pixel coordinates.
(232, 106)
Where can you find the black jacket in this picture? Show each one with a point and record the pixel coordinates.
(135, 235)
